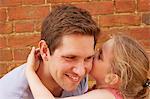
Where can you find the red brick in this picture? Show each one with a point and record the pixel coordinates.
(21, 54)
(38, 25)
(22, 13)
(3, 68)
(140, 33)
(7, 3)
(64, 1)
(148, 52)
(3, 42)
(115, 30)
(24, 27)
(102, 38)
(97, 7)
(146, 18)
(95, 19)
(3, 15)
(18, 63)
(119, 20)
(20, 41)
(6, 55)
(125, 5)
(143, 5)
(146, 43)
(14, 64)
(5, 28)
(137, 33)
(28, 2)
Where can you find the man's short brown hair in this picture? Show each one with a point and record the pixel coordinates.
(65, 20)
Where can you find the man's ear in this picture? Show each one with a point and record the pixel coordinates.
(111, 79)
(44, 50)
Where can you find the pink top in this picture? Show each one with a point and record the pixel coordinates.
(116, 93)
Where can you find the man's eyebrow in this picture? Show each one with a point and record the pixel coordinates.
(68, 56)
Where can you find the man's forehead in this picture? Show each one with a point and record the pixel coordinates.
(76, 35)
(77, 39)
(77, 52)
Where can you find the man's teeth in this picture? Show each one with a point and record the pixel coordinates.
(74, 78)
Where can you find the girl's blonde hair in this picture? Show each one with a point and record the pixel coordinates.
(132, 65)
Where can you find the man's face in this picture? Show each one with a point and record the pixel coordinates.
(70, 62)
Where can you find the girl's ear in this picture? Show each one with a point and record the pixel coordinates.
(111, 79)
(43, 50)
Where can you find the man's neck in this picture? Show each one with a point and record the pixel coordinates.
(48, 80)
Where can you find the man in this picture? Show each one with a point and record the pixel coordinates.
(67, 44)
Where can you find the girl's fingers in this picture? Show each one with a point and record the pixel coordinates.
(33, 60)
(37, 50)
(32, 51)
(31, 55)
(36, 57)
(37, 53)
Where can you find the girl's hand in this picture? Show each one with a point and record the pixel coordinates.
(33, 60)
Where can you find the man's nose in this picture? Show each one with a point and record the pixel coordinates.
(79, 70)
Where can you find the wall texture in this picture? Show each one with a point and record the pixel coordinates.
(20, 22)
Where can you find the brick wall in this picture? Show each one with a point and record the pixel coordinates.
(20, 22)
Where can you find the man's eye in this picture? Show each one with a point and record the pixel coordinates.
(68, 58)
(89, 58)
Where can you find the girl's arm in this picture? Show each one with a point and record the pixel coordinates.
(39, 91)
(95, 94)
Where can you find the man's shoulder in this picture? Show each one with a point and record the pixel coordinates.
(14, 83)
(14, 74)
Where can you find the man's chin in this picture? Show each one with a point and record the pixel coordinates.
(69, 89)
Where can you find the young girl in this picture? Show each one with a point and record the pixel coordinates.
(120, 69)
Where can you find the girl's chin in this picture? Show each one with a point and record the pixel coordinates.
(92, 75)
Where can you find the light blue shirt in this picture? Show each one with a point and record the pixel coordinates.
(14, 85)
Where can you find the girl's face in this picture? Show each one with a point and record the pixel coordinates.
(102, 62)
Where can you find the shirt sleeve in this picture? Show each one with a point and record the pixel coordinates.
(14, 85)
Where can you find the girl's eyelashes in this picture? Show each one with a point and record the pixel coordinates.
(100, 54)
